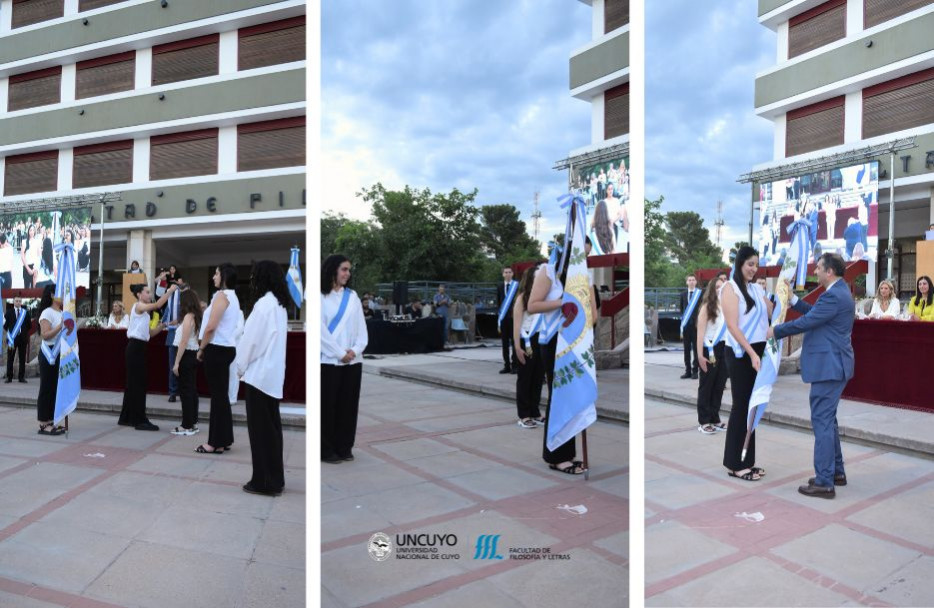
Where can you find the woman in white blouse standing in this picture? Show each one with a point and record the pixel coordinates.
(343, 340)
(218, 351)
(50, 328)
(134, 392)
(261, 365)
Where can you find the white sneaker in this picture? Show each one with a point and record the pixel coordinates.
(706, 429)
(525, 424)
(180, 430)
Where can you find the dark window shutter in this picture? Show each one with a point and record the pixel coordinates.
(271, 144)
(177, 61)
(271, 43)
(615, 15)
(34, 89)
(880, 11)
(183, 154)
(27, 12)
(105, 75)
(28, 173)
(814, 127)
(888, 107)
(103, 164)
(819, 26)
(616, 111)
(86, 5)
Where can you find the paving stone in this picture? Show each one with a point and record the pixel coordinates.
(38, 485)
(501, 482)
(915, 509)
(268, 586)
(672, 548)
(412, 449)
(10, 600)
(908, 586)
(281, 544)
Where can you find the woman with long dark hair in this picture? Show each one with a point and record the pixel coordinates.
(343, 340)
(28, 254)
(45, 271)
(50, 329)
(530, 377)
(261, 365)
(218, 350)
(602, 228)
(138, 333)
(919, 307)
(746, 312)
(710, 355)
(186, 360)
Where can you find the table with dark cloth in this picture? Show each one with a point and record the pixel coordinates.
(891, 363)
(419, 336)
(103, 366)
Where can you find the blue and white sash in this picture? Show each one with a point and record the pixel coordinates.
(51, 352)
(692, 304)
(335, 322)
(507, 301)
(536, 326)
(747, 328)
(719, 332)
(595, 243)
(801, 248)
(11, 335)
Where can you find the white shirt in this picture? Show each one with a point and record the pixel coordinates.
(54, 317)
(349, 334)
(6, 259)
(192, 338)
(226, 332)
(757, 332)
(139, 325)
(713, 327)
(261, 352)
(123, 324)
(891, 312)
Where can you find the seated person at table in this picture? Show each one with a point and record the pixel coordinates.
(367, 311)
(885, 305)
(414, 309)
(920, 307)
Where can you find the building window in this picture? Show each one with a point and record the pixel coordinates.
(104, 75)
(615, 15)
(186, 59)
(183, 154)
(27, 173)
(103, 164)
(814, 28)
(271, 144)
(27, 12)
(616, 111)
(814, 127)
(271, 43)
(86, 5)
(879, 11)
(33, 89)
(899, 104)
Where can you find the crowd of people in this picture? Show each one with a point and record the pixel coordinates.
(28, 245)
(231, 349)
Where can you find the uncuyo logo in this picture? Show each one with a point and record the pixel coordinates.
(486, 547)
(379, 547)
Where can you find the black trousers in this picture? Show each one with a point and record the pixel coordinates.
(710, 389)
(134, 391)
(19, 347)
(217, 360)
(742, 379)
(264, 426)
(508, 346)
(340, 402)
(566, 451)
(48, 388)
(187, 388)
(689, 341)
(530, 380)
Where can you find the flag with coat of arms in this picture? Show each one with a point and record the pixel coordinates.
(69, 368)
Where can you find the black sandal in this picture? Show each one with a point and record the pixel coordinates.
(200, 450)
(749, 475)
(574, 469)
(758, 471)
(55, 430)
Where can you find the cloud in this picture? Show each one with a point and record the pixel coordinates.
(453, 94)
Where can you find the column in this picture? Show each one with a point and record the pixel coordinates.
(780, 125)
(66, 165)
(141, 160)
(71, 8)
(4, 94)
(69, 82)
(227, 150)
(143, 68)
(853, 117)
(227, 49)
(597, 118)
(140, 247)
(854, 17)
(599, 10)
(6, 15)
(781, 37)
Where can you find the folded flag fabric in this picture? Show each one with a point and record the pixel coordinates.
(294, 278)
(69, 368)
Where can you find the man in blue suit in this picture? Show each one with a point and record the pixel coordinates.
(827, 364)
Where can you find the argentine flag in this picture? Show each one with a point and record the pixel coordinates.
(294, 278)
(69, 367)
(574, 389)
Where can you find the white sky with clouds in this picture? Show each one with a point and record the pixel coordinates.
(451, 94)
(701, 130)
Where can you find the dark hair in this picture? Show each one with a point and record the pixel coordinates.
(46, 299)
(329, 271)
(228, 275)
(47, 259)
(930, 298)
(745, 252)
(525, 284)
(2, 238)
(268, 277)
(833, 261)
(189, 302)
(134, 262)
(601, 227)
(137, 288)
(710, 300)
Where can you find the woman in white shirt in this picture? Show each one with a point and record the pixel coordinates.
(343, 340)
(746, 311)
(217, 352)
(530, 377)
(711, 360)
(50, 328)
(885, 305)
(138, 331)
(27, 251)
(186, 360)
(118, 318)
(261, 365)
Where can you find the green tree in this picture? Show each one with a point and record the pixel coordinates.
(657, 260)
(330, 226)
(735, 249)
(689, 242)
(359, 241)
(504, 235)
